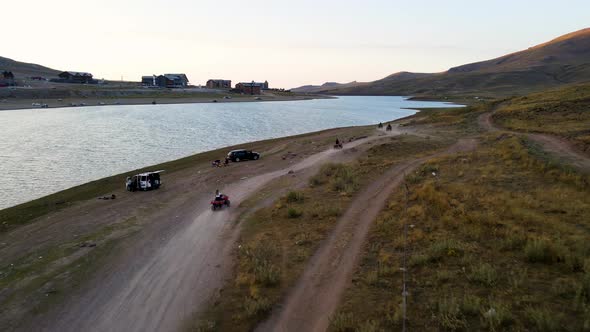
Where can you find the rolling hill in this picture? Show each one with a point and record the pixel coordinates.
(23, 69)
(325, 86)
(563, 60)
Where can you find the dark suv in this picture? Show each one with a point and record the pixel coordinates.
(239, 155)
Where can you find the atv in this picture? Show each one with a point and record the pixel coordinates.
(219, 202)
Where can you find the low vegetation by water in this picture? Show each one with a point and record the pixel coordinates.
(497, 240)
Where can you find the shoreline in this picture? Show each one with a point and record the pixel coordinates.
(25, 103)
(136, 101)
(106, 185)
(216, 151)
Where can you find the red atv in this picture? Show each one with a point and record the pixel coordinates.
(219, 202)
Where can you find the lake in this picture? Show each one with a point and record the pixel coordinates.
(43, 151)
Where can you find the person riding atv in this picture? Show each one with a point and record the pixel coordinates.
(380, 125)
(388, 128)
(338, 144)
(219, 201)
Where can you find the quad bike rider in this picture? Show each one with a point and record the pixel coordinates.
(219, 201)
(388, 128)
(338, 144)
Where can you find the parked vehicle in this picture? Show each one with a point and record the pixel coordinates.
(240, 155)
(144, 181)
(219, 201)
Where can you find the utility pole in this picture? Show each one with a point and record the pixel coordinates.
(404, 262)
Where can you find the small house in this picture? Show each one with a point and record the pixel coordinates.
(176, 80)
(165, 81)
(251, 88)
(219, 84)
(76, 77)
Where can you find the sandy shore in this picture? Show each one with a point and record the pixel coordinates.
(27, 103)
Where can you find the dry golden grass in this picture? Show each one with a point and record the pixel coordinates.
(498, 240)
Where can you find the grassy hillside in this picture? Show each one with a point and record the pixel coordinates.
(496, 241)
(564, 112)
(23, 69)
(325, 86)
(563, 60)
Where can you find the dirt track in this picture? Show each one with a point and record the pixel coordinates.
(316, 295)
(553, 145)
(159, 289)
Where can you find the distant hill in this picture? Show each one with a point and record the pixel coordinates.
(563, 60)
(325, 86)
(23, 69)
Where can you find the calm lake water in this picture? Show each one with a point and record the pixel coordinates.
(43, 151)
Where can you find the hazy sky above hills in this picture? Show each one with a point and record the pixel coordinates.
(288, 43)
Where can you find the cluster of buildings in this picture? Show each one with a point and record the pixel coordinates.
(160, 81)
(78, 77)
(165, 81)
(181, 81)
(252, 88)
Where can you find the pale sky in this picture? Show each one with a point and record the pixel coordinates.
(288, 43)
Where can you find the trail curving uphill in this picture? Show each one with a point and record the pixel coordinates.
(553, 145)
(318, 291)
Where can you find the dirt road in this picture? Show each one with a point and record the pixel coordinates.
(159, 291)
(317, 293)
(556, 146)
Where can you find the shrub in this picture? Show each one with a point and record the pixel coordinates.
(563, 287)
(294, 213)
(543, 320)
(295, 197)
(539, 251)
(369, 326)
(206, 326)
(256, 306)
(341, 178)
(267, 274)
(446, 247)
(342, 322)
(442, 276)
(484, 274)
(513, 240)
(574, 262)
(496, 318)
(471, 305)
(449, 314)
(418, 260)
(517, 277)
(259, 259)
